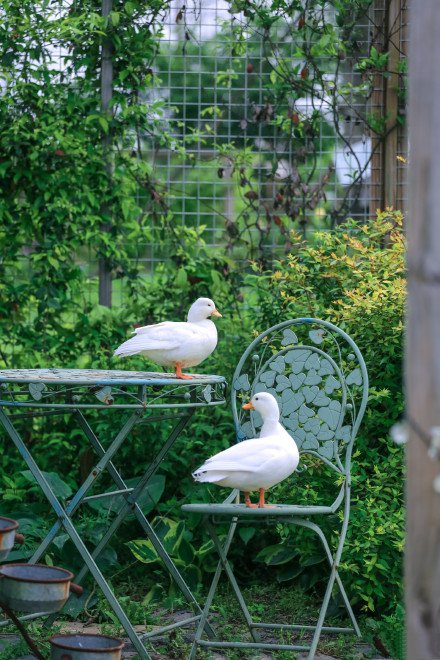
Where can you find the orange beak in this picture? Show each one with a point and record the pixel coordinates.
(215, 313)
(248, 406)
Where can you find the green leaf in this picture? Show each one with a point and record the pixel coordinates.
(289, 572)
(275, 555)
(173, 537)
(186, 551)
(104, 123)
(205, 549)
(143, 550)
(156, 594)
(246, 533)
(192, 576)
(126, 205)
(114, 18)
(182, 278)
(147, 501)
(59, 487)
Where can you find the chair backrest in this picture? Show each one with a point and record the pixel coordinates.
(319, 378)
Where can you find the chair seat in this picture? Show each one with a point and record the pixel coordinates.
(233, 510)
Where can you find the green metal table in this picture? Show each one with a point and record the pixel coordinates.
(131, 397)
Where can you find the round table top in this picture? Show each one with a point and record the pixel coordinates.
(102, 377)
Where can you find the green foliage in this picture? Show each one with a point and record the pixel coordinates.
(62, 204)
(390, 630)
(190, 560)
(347, 277)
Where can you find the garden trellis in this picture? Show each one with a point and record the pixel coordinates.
(221, 73)
(228, 121)
(282, 130)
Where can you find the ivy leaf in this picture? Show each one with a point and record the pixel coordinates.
(268, 378)
(278, 364)
(105, 395)
(289, 337)
(331, 414)
(36, 390)
(242, 383)
(246, 533)
(207, 393)
(354, 377)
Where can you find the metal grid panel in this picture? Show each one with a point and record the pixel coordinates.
(223, 96)
(191, 75)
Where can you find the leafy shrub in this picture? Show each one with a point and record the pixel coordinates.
(350, 278)
(388, 633)
(346, 277)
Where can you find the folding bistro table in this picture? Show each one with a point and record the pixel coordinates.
(131, 397)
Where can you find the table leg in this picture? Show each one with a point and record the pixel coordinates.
(73, 534)
(81, 493)
(131, 503)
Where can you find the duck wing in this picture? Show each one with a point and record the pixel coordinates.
(162, 336)
(246, 456)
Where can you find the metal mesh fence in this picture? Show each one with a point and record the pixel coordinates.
(243, 175)
(221, 96)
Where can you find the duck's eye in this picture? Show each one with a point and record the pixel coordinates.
(256, 398)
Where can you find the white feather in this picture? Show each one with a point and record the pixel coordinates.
(168, 343)
(257, 463)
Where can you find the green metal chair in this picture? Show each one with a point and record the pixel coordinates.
(318, 375)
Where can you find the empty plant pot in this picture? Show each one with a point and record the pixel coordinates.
(8, 536)
(35, 587)
(85, 647)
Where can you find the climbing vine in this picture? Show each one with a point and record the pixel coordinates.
(62, 208)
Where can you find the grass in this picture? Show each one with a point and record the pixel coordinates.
(266, 603)
(280, 605)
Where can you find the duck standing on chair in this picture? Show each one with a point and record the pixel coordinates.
(256, 464)
(177, 344)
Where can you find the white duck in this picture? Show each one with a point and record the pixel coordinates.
(255, 464)
(177, 344)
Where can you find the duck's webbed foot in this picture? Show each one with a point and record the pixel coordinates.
(179, 373)
(261, 502)
(248, 503)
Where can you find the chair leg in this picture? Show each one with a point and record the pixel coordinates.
(212, 589)
(334, 577)
(223, 552)
(322, 614)
(223, 565)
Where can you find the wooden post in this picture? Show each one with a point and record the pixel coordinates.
(377, 102)
(388, 37)
(105, 278)
(392, 104)
(423, 332)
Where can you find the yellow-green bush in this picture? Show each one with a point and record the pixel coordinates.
(355, 277)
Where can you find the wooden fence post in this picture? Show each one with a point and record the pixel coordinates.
(423, 333)
(105, 278)
(388, 35)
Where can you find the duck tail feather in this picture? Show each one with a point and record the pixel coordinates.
(208, 477)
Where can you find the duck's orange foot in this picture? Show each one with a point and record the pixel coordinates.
(179, 373)
(261, 502)
(248, 503)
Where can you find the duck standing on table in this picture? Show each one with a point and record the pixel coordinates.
(177, 344)
(255, 464)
